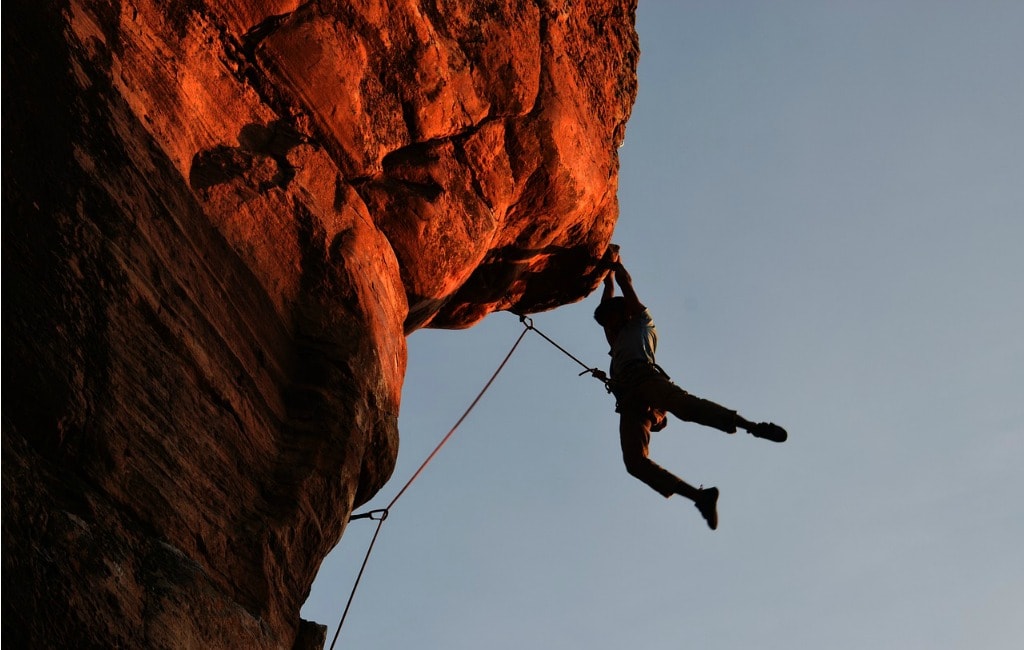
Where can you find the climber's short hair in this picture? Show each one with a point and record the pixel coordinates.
(612, 306)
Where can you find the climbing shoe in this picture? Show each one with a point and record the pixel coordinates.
(707, 503)
(769, 431)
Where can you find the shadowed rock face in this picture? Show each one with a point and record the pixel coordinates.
(220, 221)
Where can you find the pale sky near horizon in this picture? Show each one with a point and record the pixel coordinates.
(822, 204)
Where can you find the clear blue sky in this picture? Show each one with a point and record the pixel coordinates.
(822, 203)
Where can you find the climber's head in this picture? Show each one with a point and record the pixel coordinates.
(611, 313)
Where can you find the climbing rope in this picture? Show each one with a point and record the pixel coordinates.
(380, 515)
(597, 373)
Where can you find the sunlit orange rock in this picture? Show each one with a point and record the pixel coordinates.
(221, 220)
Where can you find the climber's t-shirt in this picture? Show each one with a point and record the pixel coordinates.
(637, 341)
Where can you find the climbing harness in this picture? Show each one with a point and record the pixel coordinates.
(380, 515)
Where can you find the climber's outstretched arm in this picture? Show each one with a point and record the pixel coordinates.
(625, 282)
(609, 286)
(608, 262)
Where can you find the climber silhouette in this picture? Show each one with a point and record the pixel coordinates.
(644, 392)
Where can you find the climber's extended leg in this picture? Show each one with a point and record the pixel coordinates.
(662, 393)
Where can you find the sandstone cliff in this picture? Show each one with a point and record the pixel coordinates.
(220, 221)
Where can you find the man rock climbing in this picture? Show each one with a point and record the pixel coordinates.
(644, 393)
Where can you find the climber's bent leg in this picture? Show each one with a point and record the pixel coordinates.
(635, 437)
